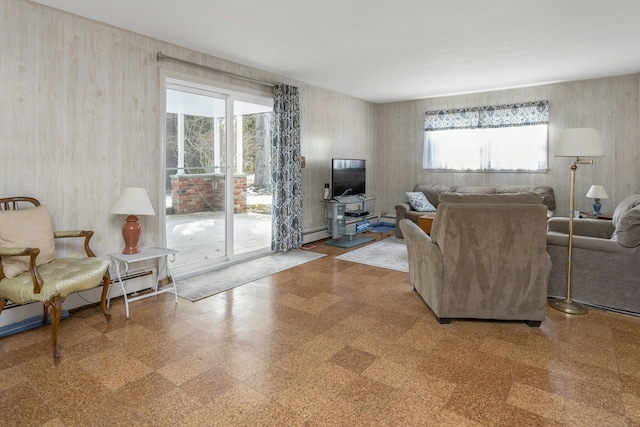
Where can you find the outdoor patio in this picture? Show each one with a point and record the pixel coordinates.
(200, 236)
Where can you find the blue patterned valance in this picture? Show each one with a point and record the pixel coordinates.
(492, 116)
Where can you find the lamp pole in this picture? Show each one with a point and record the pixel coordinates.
(567, 305)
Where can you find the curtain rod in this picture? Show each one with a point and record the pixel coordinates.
(160, 56)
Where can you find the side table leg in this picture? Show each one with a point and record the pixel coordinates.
(124, 291)
(173, 280)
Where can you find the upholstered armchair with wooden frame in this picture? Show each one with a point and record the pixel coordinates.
(30, 270)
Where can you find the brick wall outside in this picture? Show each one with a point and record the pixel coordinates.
(205, 192)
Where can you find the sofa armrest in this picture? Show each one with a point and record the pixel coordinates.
(588, 227)
(401, 213)
(589, 243)
(402, 209)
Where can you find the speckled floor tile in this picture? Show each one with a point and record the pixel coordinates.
(353, 359)
(329, 343)
(540, 402)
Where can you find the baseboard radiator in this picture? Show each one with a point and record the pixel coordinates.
(135, 281)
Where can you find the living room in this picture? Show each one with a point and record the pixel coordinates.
(84, 119)
(64, 72)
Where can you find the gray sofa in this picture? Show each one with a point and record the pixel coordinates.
(605, 258)
(485, 259)
(433, 191)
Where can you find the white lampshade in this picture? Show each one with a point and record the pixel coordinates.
(579, 142)
(133, 201)
(597, 192)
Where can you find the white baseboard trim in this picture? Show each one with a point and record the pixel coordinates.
(315, 236)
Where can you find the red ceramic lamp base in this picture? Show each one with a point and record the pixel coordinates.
(131, 234)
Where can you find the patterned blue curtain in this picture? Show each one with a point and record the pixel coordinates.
(492, 116)
(286, 170)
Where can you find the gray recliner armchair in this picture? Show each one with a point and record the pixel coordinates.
(605, 258)
(485, 259)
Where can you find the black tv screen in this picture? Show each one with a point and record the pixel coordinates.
(347, 177)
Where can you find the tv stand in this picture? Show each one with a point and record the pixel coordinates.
(345, 224)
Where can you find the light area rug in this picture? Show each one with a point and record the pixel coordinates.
(390, 253)
(204, 285)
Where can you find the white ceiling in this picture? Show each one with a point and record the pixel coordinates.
(395, 50)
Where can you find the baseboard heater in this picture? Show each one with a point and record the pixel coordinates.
(114, 281)
(17, 318)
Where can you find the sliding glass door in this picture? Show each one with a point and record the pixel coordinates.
(217, 177)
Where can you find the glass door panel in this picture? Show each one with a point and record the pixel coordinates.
(252, 174)
(218, 176)
(195, 177)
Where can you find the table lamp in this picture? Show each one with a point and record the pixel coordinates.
(578, 143)
(132, 201)
(597, 192)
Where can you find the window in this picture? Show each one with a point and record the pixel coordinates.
(512, 137)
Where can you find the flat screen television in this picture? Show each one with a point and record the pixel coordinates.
(348, 177)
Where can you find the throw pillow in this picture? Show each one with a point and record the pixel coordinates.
(419, 202)
(28, 228)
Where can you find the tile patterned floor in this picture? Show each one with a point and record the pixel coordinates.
(328, 343)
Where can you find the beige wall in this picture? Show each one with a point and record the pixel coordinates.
(82, 118)
(609, 104)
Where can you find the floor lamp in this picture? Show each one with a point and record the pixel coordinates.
(578, 143)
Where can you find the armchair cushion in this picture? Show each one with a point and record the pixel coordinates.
(419, 202)
(27, 228)
(626, 219)
(63, 277)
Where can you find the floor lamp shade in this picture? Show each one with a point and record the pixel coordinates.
(578, 143)
(133, 201)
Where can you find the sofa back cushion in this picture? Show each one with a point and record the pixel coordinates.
(525, 197)
(626, 220)
(545, 192)
(433, 191)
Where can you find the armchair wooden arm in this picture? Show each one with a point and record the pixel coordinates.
(87, 234)
(33, 254)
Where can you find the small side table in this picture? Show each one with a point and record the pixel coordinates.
(591, 215)
(425, 222)
(121, 262)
